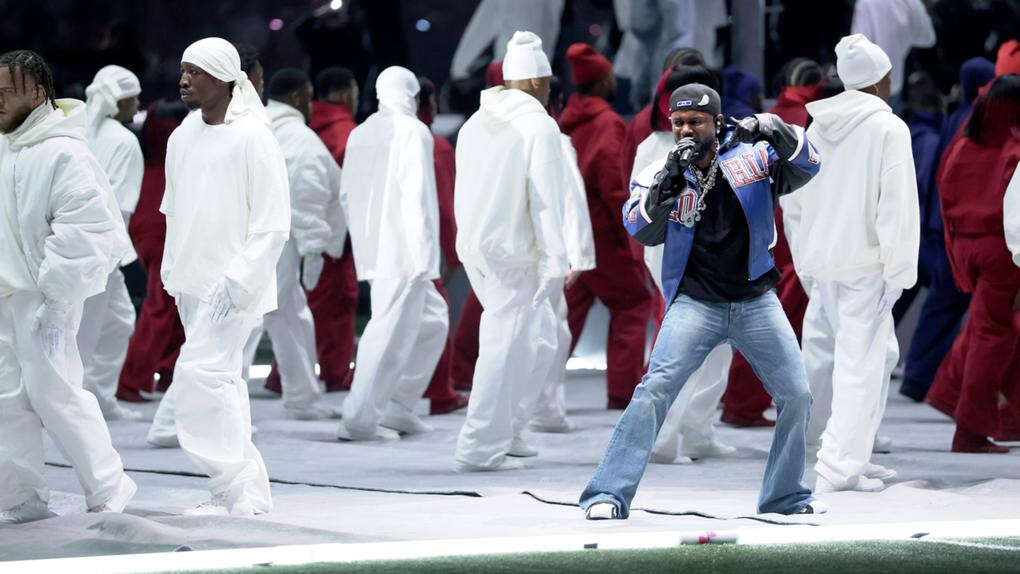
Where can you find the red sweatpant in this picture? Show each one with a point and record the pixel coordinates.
(334, 304)
(745, 395)
(158, 334)
(440, 389)
(982, 363)
(620, 282)
(465, 343)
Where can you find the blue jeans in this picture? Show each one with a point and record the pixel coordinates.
(759, 330)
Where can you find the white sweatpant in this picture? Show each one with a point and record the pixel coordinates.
(551, 407)
(397, 353)
(850, 350)
(207, 407)
(692, 413)
(107, 322)
(292, 331)
(37, 391)
(515, 354)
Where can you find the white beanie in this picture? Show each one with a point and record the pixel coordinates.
(860, 63)
(524, 58)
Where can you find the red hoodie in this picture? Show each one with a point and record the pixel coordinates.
(333, 123)
(792, 102)
(446, 174)
(598, 133)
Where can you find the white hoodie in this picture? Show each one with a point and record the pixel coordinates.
(860, 214)
(509, 199)
(67, 220)
(652, 150)
(314, 180)
(1011, 216)
(577, 225)
(388, 191)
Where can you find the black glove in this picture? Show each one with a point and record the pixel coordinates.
(746, 130)
(765, 127)
(670, 182)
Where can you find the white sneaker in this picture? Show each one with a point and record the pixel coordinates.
(125, 491)
(562, 425)
(880, 472)
(381, 433)
(116, 412)
(602, 511)
(407, 423)
(863, 484)
(29, 511)
(163, 441)
(814, 507)
(312, 413)
(521, 449)
(883, 445)
(506, 464)
(215, 506)
(663, 458)
(707, 449)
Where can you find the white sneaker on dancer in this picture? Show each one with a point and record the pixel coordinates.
(602, 511)
(706, 449)
(521, 449)
(506, 464)
(883, 445)
(215, 506)
(312, 413)
(562, 425)
(403, 420)
(119, 413)
(125, 492)
(667, 456)
(863, 484)
(880, 472)
(29, 511)
(381, 433)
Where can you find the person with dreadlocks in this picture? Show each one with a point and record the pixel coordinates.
(60, 237)
(108, 319)
(227, 204)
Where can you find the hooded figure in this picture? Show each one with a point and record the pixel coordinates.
(976, 171)
(227, 207)
(618, 279)
(854, 234)
(508, 204)
(108, 319)
(60, 237)
(389, 195)
(741, 93)
(314, 180)
(974, 73)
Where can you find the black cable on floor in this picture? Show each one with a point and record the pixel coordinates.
(468, 493)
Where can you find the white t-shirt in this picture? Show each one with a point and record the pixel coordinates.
(224, 184)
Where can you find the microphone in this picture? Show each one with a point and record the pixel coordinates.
(687, 155)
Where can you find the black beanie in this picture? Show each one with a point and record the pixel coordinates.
(697, 97)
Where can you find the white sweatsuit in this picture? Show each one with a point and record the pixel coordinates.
(60, 236)
(509, 206)
(854, 232)
(388, 191)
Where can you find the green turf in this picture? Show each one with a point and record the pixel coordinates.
(864, 557)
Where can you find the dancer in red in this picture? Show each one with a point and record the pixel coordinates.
(745, 400)
(158, 334)
(619, 279)
(972, 183)
(440, 392)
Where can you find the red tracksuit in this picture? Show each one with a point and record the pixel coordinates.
(158, 334)
(334, 301)
(465, 343)
(745, 398)
(440, 392)
(619, 279)
(983, 361)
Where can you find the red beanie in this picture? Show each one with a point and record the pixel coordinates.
(1008, 60)
(586, 65)
(494, 74)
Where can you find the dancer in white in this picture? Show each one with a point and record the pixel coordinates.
(228, 216)
(314, 188)
(108, 319)
(509, 198)
(854, 233)
(60, 236)
(389, 192)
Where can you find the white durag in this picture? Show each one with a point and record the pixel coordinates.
(219, 58)
(397, 89)
(111, 84)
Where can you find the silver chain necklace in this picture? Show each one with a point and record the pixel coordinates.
(705, 182)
